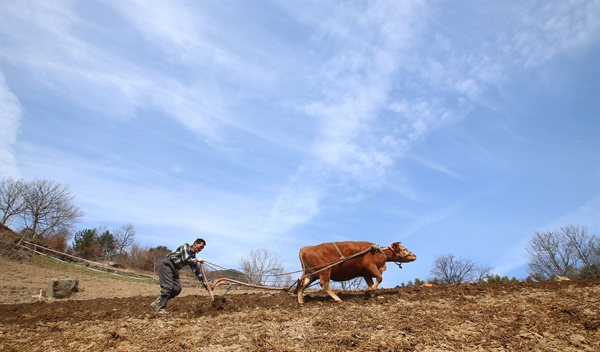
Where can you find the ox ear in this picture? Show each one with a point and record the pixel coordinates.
(398, 248)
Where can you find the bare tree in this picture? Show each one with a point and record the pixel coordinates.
(124, 237)
(11, 199)
(587, 247)
(48, 208)
(139, 257)
(354, 284)
(567, 252)
(260, 264)
(482, 273)
(450, 270)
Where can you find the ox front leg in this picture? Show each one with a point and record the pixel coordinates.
(373, 286)
(370, 290)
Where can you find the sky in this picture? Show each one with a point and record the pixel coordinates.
(458, 127)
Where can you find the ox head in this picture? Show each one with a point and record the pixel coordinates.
(402, 254)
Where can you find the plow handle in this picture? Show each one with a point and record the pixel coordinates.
(206, 283)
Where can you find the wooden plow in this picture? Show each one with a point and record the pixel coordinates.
(231, 282)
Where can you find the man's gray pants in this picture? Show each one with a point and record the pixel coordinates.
(168, 277)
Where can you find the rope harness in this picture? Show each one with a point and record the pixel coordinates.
(338, 250)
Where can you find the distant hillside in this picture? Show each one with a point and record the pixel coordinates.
(8, 245)
(229, 273)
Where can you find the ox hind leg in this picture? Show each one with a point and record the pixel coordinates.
(303, 282)
(324, 281)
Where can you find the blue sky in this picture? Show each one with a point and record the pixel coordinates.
(453, 127)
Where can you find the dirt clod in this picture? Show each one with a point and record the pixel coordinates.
(219, 303)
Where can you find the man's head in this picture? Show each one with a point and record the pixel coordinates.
(198, 245)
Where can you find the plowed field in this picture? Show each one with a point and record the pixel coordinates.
(112, 314)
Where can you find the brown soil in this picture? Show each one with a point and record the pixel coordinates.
(113, 314)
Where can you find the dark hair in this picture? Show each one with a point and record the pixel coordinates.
(199, 240)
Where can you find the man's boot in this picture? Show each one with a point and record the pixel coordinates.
(160, 304)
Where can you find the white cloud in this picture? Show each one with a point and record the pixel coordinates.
(113, 84)
(173, 27)
(320, 112)
(10, 117)
(297, 203)
(49, 39)
(358, 79)
(553, 28)
(438, 215)
(436, 167)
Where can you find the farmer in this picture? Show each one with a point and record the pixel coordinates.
(168, 272)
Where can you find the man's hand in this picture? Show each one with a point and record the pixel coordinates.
(199, 260)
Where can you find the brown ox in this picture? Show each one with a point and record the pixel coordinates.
(342, 261)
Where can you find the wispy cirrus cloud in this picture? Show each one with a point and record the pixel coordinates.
(379, 98)
(549, 29)
(350, 152)
(252, 122)
(10, 117)
(113, 84)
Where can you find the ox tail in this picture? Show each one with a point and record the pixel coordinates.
(301, 257)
